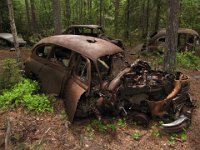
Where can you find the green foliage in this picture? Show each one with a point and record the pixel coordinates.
(183, 136)
(188, 60)
(172, 140)
(179, 137)
(102, 127)
(10, 74)
(24, 94)
(157, 61)
(136, 136)
(34, 39)
(155, 130)
(122, 122)
(87, 12)
(188, 15)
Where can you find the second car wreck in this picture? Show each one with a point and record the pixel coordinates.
(94, 78)
(188, 40)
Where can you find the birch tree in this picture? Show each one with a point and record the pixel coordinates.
(14, 30)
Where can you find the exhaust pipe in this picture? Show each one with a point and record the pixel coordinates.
(178, 125)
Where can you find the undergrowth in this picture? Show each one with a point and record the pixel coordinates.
(9, 74)
(15, 90)
(25, 94)
(186, 60)
(103, 127)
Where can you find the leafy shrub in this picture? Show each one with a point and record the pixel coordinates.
(188, 60)
(24, 94)
(10, 74)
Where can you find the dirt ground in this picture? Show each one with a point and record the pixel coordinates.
(52, 131)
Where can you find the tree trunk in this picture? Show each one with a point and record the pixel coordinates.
(100, 11)
(147, 17)
(127, 19)
(14, 30)
(157, 19)
(1, 21)
(116, 17)
(172, 35)
(90, 11)
(33, 17)
(142, 17)
(68, 12)
(81, 17)
(56, 16)
(28, 14)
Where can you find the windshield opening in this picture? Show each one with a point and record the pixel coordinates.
(104, 66)
(109, 66)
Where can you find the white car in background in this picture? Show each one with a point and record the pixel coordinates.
(6, 39)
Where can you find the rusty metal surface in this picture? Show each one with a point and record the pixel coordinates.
(153, 44)
(73, 91)
(162, 32)
(135, 88)
(149, 93)
(90, 47)
(95, 31)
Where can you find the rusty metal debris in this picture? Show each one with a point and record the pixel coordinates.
(94, 79)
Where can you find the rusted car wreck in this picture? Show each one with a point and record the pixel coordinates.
(188, 40)
(93, 78)
(94, 31)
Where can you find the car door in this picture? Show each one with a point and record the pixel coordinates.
(54, 71)
(78, 84)
(37, 60)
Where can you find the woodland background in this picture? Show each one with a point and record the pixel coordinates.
(125, 19)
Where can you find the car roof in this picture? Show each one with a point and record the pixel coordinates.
(162, 32)
(6, 36)
(90, 47)
(85, 26)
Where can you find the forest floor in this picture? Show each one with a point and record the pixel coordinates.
(52, 131)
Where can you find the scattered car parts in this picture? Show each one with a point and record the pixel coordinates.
(94, 78)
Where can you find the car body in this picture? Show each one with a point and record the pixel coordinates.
(6, 39)
(188, 39)
(93, 78)
(92, 30)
